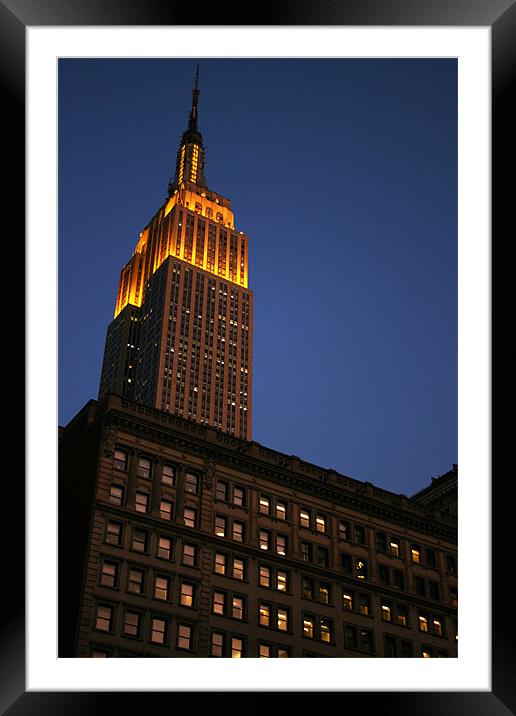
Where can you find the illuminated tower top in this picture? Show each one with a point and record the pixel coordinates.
(190, 155)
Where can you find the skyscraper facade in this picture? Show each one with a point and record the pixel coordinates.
(181, 337)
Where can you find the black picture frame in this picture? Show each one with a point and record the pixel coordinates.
(500, 16)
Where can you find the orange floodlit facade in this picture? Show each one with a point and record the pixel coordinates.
(181, 338)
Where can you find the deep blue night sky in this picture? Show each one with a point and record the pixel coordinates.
(343, 173)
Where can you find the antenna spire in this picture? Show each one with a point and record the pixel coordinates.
(192, 122)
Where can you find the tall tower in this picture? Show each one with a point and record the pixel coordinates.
(181, 337)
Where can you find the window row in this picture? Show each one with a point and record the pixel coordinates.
(142, 501)
(147, 542)
(145, 467)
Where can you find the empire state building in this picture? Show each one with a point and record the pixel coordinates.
(181, 337)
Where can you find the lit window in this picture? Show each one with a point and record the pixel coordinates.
(281, 510)
(164, 547)
(402, 615)
(139, 541)
(304, 518)
(108, 574)
(282, 619)
(438, 627)
(265, 576)
(189, 554)
(264, 505)
(165, 510)
(426, 652)
(190, 516)
(184, 636)
(281, 545)
(361, 569)
(238, 608)
(347, 601)
(386, 612)
(264, 651)
(416, 553)
(135, 581)
(120, 462)
(191, 483)
(220, 563)
(103, 618)
(168, 475)
(344, 532)
(320, 523)
(282, 581)
(132, 624)
(238, 568)
(144, 468)
(161, 587)
(187, 594)
(114, 533)
(238, 496)
(217, 644)
(324, 592)
(219, 602)
(222, 490)
(116, 494)
(264, 614)
(364, 604)
(264, 539)
(395, 548)
(142, 500)
(308, 627)
(238, 531)
(325, 626)
(308, 588)
(423, 623)
(220, 526)
(158, 630)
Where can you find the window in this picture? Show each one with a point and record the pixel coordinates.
(99, 654)
(191, 483)
(265, 576)
(381, 542)
(109, 574)
(283, 652)
(344, 531)
(238, 568)
(423, 622)
(419, 584)
(437, 626)
(325, 630)
(308, 588)
(282, 619)
(237, 608)
(190, 516)
(264, 651)
(120, 462)
(187, 594)
(454, 596)
(132, 624)
(144, 468)
(364, 604)
(222, 490)
(184, 636)
(451, 564)
(399, 581)
(104, 618)
(114, 533)
(306, 551)
(323, 558)
(324, 592)
(361, 569)
(430, 557)
(237, 647)
(238, 531)
(365, 642)
(281, 545)
(394, 547)
(189, 554)
(139, 540)
(116, 494)
(220, 526)
(165, 510)
(219, 603)
(265, 615)
(389, 646)
(164, 547)
(433, 589)
(161, 588)
(304, 518)
(383, 573)
(360, 535)
(282, 581)
(281, 510)
(402, 615)
(135, 580)
(168, 475)
(238, 496)
(415, 552)
(264, 539)
(217, 643)
(308, 626)
(220, 563)
(158, 630)
(386, 612)
(265, 505)
(142, 500)
(350, 637)
(346, 562)
(347, 600)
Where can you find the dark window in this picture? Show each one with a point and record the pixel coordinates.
(114, 533)
(191, 483)
(184, 636)
(360, 535)
(308, 588)
(383, 571)
(366, 640)
(419, 584)
(346, 562)
(323, 558)
(451, 564)
(144, 468)
(239, 496)
(222, 490)
(389, 646)
(109, 574)
(218, 640)
(344, 532)
(165, 510)
(433, 589)
(135, 580)
(381, 542)
(190, 516)
(350, 637)
(430, 557)
(399, 581)
(142, 502)
(132, 624)
(120, 462)
(139, 540)
(168, 475)
(306, 551)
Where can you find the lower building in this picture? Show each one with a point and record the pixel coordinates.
(178, 540)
